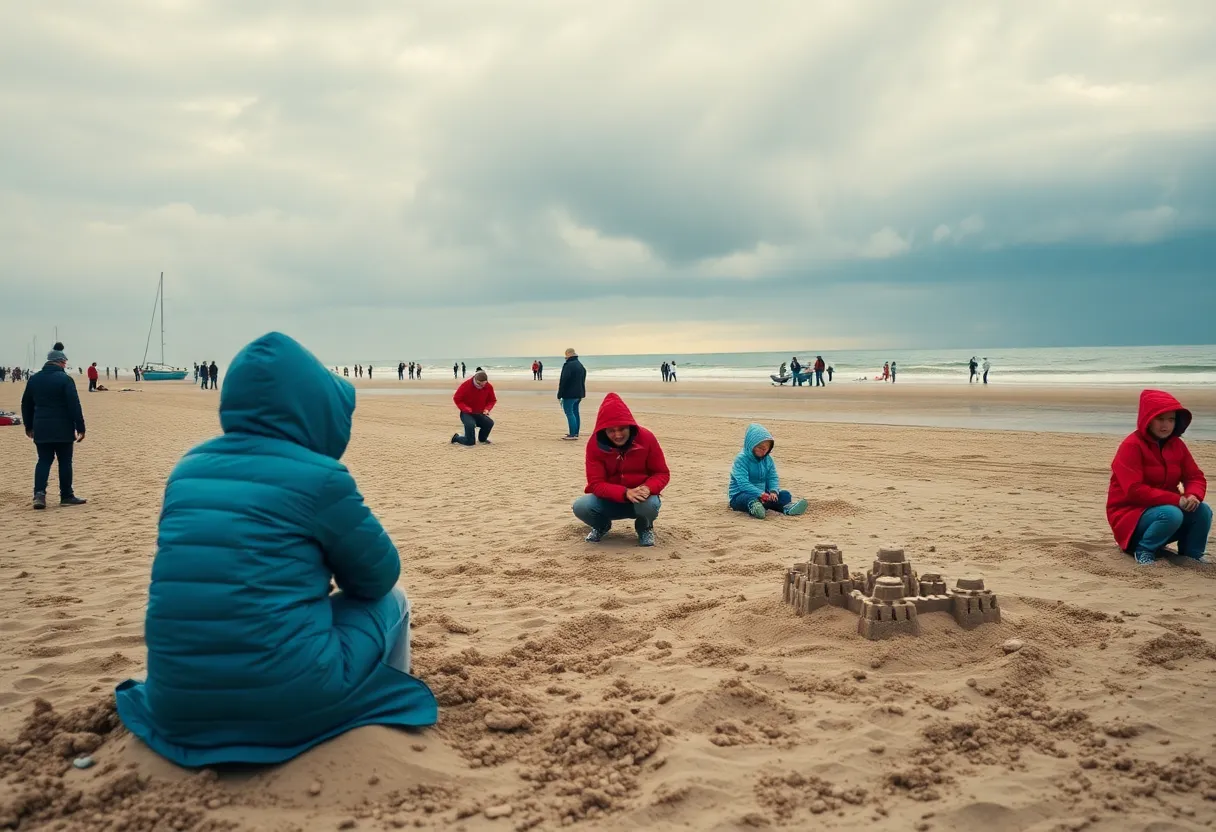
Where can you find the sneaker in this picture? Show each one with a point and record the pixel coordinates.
(485, 442)
(455, 439)
(570, 438)
(756, 509)
(1204, 559)
(1145, 558)
(596, 535)
(646, 538)
(72, 501)
(40, 500)
(796, 509)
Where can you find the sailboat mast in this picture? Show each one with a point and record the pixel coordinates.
(162, 317)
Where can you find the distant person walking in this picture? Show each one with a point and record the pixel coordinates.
(987, 367)
(571, 390)
(92, 376)
(214, 372)
(463, 372)
(665, 371)
(400, 371)
(475, 399)
(819, 368)
(51, 412)
(886, 370)
(796, 370)
(892, 372)
(418, 370)
(540, 373)
(535, 370)
(456, 370)
(671, 372)
(973, 365)
(831, 370)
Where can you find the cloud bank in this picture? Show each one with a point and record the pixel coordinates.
(438, 179)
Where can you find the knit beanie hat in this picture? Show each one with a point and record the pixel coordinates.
(56, 353)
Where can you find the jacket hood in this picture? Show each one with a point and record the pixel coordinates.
(1155, 402)
(276, 388)
(754, 435)
(614, 413)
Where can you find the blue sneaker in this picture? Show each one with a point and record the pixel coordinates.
(596, 535)
(796, 509)
(1145, 558)
(756, 509)
(646, 538)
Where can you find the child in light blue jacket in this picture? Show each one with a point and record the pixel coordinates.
(754, 486)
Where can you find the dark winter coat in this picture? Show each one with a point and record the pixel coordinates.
(573, 383)
(51, 406)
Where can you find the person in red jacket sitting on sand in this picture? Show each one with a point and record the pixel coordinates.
(626, 473)
(476, 399)
(1156, 489)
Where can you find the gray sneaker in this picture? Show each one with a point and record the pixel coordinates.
(40, 500)
(646, 538)
(596, 535)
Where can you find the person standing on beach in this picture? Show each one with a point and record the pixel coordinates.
(664, 371)
(1156, 490)
(463, 372)
(671, 372)
(541, 371)
(571, 390)
(214, 372)
(92, 377)
(400, 371)
(892, 372)
(535, 370)
(418, 370)
(987, 367)
(53, 418)
(456, 370)
(831, 370)
(626, 473)
(819, 367)
(973, 365)
(475, 399)
(796, 371)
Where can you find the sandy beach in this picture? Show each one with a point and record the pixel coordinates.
(612, 687)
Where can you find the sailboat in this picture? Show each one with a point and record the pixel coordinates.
(161, 371)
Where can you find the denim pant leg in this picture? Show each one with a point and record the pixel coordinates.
(63, 451)
(42, 470)
(578, 419)
(784, 498)
(484, 424)
(599, 513)
(740, 502)
(470, 429)
(1193, 534)
(568, 409)
(1158, 526)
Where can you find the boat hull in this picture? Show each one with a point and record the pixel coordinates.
(163, 375)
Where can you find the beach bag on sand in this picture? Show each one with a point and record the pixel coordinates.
(7, 418)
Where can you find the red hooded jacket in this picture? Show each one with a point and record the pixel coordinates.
(611, 471)
(471, 400)
(1146, 473)
(91, 373)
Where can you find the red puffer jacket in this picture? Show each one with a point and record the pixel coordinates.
(611, 471)
(1146, 473)
(471, 400)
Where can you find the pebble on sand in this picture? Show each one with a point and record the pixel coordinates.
(502, 811)
(83, 762)
(1013, 645)
(315, 788)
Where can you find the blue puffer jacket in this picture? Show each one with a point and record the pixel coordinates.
(246, 663)
(749, 475)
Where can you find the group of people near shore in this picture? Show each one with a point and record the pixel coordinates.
(269, 632)
(414, 368)
(207, 375)
(668, 371)
(974, 367)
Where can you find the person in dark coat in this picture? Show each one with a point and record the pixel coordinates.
(572, 389)
(50, 410)
(213, 372)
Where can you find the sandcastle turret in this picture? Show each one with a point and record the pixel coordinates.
(821, 581)
(972, 605)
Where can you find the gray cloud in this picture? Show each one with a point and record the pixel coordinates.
(445, 177)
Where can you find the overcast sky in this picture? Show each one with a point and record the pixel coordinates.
(443, 178)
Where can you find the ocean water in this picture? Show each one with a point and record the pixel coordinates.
(1131, 366)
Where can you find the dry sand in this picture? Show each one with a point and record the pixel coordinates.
(622, 688)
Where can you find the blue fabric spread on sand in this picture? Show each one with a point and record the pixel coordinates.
(250, 659)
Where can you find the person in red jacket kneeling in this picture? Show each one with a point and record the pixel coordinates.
(626, 473)
(1156, 489)
(476, 399)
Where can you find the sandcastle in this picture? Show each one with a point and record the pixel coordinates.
(889, 597)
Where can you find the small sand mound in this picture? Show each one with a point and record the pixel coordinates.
(789, 795)
(1176, 645)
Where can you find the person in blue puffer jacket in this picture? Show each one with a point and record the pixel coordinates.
(251, 659)
(754, 486)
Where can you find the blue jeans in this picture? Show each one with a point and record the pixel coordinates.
(573, 421)
(819, 378)
(740, 502)
(599, 514)
(1161, 525)
(799, 378)
(478, 423)
(47, 452)
(385, 623)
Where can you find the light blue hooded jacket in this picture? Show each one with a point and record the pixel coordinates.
(250, 659)
(749, 475)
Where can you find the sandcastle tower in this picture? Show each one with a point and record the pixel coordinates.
(822, 580)
(889, 597)
(972, 605)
